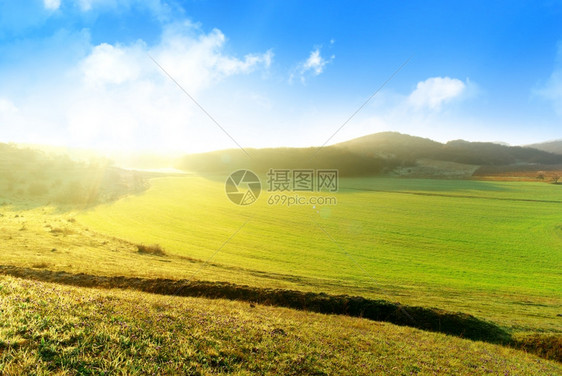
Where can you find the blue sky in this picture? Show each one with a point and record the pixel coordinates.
(277, 73)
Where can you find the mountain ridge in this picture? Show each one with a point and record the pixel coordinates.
(369, 155)
(554, 146)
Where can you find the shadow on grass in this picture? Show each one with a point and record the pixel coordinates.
(430, 319)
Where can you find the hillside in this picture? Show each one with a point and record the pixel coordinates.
(261, 160)
(408, 149)
(370, 155)
(36, 177)
(550, 146)
(52, 329)
(392, 145)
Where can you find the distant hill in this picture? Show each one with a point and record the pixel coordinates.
(550, 146)
(392, 146)
(369, 155)
(408, 149)
(261, 160)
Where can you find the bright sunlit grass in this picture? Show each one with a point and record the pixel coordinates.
(483, 248)
(480, 255)
(51, 329)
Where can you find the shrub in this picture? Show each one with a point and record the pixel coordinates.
(153, 249)
(40, 265)
(546, 345)
(64, 231)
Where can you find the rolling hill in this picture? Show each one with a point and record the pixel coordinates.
(410, 148)
(32, 175)
(369, 155)
(549, 146)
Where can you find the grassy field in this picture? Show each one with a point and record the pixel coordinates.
(48, 329)
(490, 249)
(471, 246)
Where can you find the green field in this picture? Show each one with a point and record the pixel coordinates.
(470, 246)
(490, 249)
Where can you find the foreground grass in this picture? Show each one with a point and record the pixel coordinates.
(52, 329)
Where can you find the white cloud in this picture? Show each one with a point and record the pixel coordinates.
(7, 107)
(426, 111)
(10, 116)
(108, 64)
(435, 91)
(199, 61)
(314, 65)
(87, 5)
(116, 97)
(126, 97)
(159, 8)
(552, 90)
(51, 4)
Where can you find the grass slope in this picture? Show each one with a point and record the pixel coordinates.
(475, 247)
(46, 329)
(487, 249)
(435, 320)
